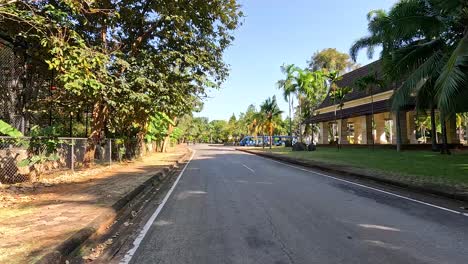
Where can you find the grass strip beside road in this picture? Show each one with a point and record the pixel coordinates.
(422, 167)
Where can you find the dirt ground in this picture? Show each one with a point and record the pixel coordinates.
(35, 218)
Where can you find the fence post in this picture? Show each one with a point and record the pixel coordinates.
(73, 155)
(110, 152)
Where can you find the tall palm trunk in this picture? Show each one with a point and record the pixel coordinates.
(300, 119)
(398, 131)
(341, 134)
(433, 131)
(271, 138)
(335, 133)
(312, 132)
(372, 119)
(445, 149)
(263, 139)
(290, 117)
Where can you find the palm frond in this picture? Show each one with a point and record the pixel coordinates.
(409, 58)
(454, 77)
(370, 43)
(416, 80)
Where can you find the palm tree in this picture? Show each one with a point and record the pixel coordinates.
(427, 42)
(367, 83)
(310, 86)
(338, 95)
(270, 112)
(289, 88)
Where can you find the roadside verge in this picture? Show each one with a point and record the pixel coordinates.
(46, 222)
(443, 191)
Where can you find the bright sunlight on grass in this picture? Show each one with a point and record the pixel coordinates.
(451, 169)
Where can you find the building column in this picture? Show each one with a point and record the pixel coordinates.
(343, 131)
(323, 132)
(451, 124)
(380, 129)
(411, 125)
(358, 130)
(403, 126)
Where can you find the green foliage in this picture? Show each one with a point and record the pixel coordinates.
(176, 134)
(158, 127)
(7, 130)
(131, 58)
(42, 146)
(338, 95)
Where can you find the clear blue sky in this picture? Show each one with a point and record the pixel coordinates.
(276, 32)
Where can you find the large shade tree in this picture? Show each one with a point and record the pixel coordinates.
(130, 58)
(330, 60)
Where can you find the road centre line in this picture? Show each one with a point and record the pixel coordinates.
(248, 168)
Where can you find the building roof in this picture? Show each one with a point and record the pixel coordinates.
(350, 78)
(365, 109)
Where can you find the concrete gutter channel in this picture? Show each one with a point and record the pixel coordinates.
(98, 227)
(451, 194)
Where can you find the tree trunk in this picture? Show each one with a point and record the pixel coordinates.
(300, 120)
(341, 127)
(167, 140)
(312, 132)
(444, 149)
(433, 131)
(290, 117)
(141, 143)
(100, 115)
(292, 113)
(141, 138)
(263, 139)
(398, 131)
(372, 120)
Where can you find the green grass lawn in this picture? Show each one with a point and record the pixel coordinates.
(436, 168)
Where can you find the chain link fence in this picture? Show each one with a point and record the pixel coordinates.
(26, 159)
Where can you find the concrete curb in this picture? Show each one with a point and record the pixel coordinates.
(101, 222)
(421, 189)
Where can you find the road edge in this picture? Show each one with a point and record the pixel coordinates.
(136, 243)
(104, 220)
(416, 188)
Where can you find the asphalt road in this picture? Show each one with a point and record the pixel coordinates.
(232, 207)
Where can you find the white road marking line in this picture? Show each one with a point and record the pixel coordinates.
(248, 168)
(153, 217)
(368, 187)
